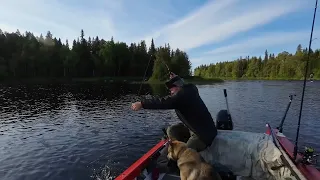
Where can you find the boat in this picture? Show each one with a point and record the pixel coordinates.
(243, 155)
(238, 155)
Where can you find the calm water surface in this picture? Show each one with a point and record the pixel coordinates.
(87, 131)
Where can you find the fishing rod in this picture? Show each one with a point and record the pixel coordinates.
(145, 72)
(280, 127)
(166, 66)
(304, 84)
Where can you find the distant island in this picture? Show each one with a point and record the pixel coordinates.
(25, 57)
(284, 66)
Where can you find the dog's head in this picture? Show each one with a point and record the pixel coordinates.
(175, 149)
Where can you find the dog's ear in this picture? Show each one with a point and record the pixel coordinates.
(171, 143)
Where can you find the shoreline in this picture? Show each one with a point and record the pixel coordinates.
(101, 79)
(137, 80)
(266, 79)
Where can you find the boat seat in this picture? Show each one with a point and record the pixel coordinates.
(171, 177)
(224, 172)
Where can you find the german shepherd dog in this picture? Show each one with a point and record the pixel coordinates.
(190, 163)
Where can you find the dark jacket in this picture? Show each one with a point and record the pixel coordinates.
(190, 109)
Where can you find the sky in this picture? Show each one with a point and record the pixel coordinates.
(209, 31)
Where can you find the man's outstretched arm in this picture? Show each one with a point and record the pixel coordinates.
(166, 102)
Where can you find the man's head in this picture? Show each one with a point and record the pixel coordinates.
(174, 90)
(174, 84)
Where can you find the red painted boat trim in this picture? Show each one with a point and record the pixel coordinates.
(136, 168)
(309, 171)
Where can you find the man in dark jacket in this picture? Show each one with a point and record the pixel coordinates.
(191, 110)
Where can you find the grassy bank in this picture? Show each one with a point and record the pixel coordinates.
(190, 79)
(108, 79)
(200, 80)
(264, 78)
(70, 80)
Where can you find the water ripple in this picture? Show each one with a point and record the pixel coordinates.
(87, 131)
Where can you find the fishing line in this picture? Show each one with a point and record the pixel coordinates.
(145, 72)
(166, 66)
(144, 76)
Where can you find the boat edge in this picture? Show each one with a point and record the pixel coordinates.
(286, 147)
(136, 168)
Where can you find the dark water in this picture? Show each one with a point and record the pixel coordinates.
(87, 131)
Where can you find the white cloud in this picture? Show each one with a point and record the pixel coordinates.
(62, 19)
(255, 46)
(221, 19)
(125, 20)
(200, 60)
(216, 21)
(261, 42)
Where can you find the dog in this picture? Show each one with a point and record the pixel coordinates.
(190, 163)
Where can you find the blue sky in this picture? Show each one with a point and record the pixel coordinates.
(208, 30)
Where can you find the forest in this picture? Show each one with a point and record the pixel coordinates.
(282, 66)
(25, 56)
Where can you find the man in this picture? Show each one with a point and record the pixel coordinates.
(191, 110)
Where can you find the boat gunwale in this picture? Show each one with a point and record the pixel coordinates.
(303, 171)
(292, 166)
(139, 165)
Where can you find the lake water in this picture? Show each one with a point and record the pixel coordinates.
(87, 131)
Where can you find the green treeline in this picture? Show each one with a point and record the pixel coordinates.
(283, 66)
(27, 56)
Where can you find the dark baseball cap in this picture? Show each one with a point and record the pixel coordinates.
(176, 81)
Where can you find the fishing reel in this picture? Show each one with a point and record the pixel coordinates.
(308, 156)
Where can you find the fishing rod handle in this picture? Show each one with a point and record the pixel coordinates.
(291, 96)
(225, 92)
(172, 75)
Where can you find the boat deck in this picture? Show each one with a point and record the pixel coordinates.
(177, 177)
(170, 177)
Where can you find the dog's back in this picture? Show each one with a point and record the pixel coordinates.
(190, 164)
(208, 172)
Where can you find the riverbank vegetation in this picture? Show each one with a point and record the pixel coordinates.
(188, 79)
(283, 66)
(26, 57)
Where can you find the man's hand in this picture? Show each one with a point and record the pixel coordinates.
(172, 75)
(136, 106)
